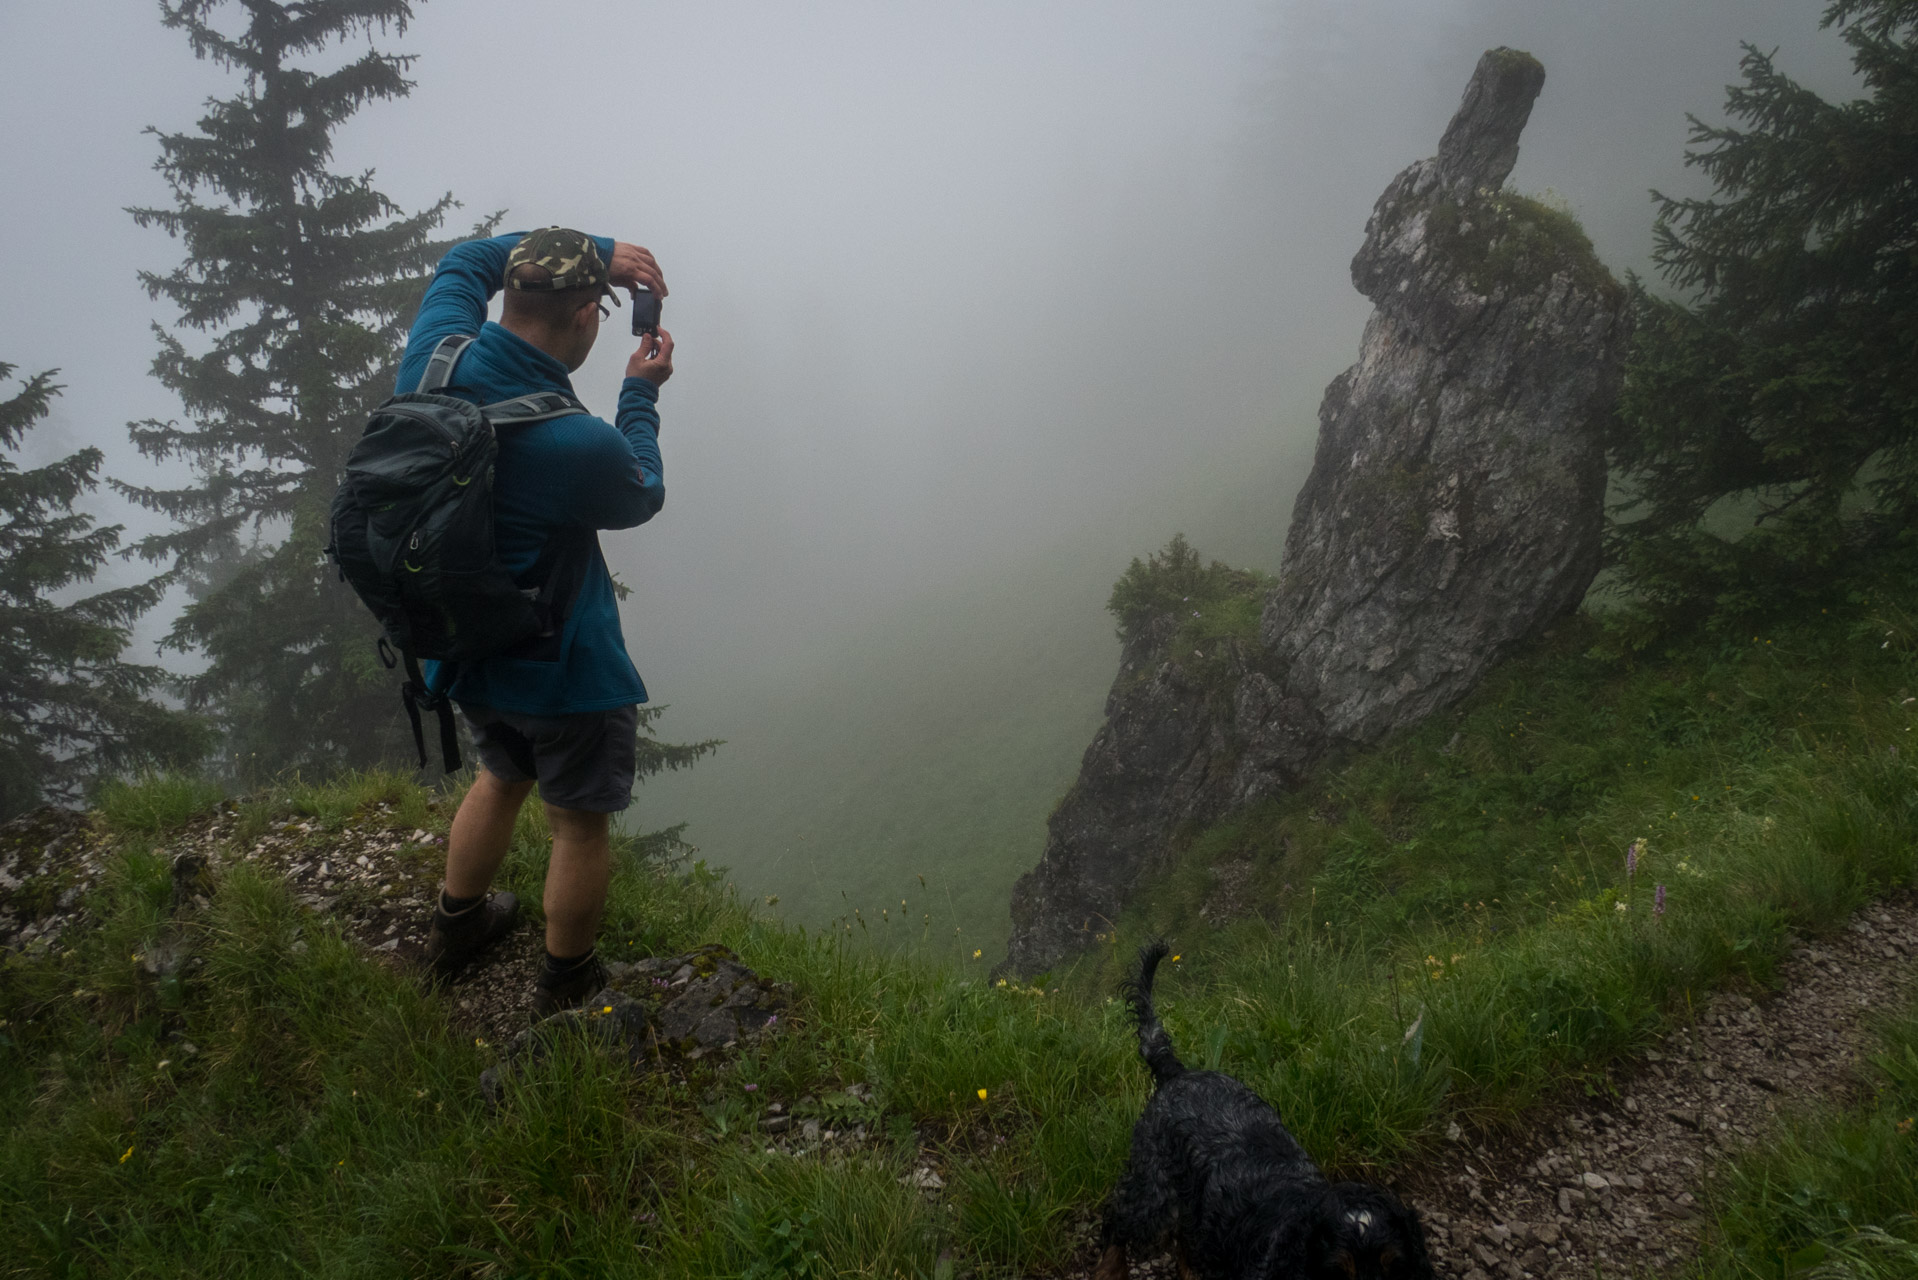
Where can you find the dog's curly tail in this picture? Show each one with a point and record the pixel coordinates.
(1155, 1046)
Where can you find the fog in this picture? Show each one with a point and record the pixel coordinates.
(973, 303)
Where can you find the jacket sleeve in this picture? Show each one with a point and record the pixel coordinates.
(455, 303)
(626, 485)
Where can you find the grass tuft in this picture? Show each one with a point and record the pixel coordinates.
(154, 803)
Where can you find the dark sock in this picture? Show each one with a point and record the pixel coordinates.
(451, 906)
(557, 969)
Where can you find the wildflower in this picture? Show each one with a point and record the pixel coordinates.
(1904, 1126)
(752, 1088)
(126, 1155)
(479, 1041)
(1631, 859)
(982, 1095)
(606, 1009)
(1618, 906)
(1658, 901)
(976, 953)
(773, 1021)
(1175, 959)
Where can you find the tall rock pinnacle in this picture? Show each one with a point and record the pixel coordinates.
(1454, 507)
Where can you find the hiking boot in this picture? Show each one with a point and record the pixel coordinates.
(453, 942)
(551, 996)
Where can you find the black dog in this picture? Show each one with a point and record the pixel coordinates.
(1212, 1166)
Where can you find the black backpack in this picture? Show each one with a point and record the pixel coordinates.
(412, 532)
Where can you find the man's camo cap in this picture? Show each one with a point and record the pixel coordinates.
(571, 257)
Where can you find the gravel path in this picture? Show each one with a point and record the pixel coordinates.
(1614, 1188)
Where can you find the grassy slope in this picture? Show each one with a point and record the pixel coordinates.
(918, 762)
(1452, 945)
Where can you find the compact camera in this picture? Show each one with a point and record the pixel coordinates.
(645, 312)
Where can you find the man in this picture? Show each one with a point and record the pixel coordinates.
(561, 710)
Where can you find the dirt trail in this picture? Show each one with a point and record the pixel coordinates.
(1614, 1187)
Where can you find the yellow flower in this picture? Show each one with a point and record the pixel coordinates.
(128, 1153)
(1175, 959)
(607, 1009)
(982, 1095)
(976, 953)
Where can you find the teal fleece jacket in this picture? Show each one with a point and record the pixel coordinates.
(577, 471)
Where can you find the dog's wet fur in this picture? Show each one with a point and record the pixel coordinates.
(1214, 1169)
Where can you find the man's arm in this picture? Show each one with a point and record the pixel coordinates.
(629, 486)
(624, 484)
(455, 303)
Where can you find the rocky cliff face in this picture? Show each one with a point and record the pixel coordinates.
(1455, 501)
(1454, 506)
(1175, 751)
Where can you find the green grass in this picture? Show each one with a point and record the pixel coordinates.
(1470, 876)
(156, 802)
(1835, 1192)
(1432, 931)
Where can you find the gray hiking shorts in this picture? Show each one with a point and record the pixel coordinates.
(582, 761)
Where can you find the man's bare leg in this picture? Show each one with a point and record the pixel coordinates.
(482, 833)
(465, 921)
(576, 879)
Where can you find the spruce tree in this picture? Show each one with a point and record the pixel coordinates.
(302, 281)
(1768, 442)
(70, 710)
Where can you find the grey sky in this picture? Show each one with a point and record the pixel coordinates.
(952, 283)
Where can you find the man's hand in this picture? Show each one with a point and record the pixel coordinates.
(633, 267)
(654, 359)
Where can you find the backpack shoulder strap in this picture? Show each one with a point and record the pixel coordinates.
(537, 407)
(439, 369)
